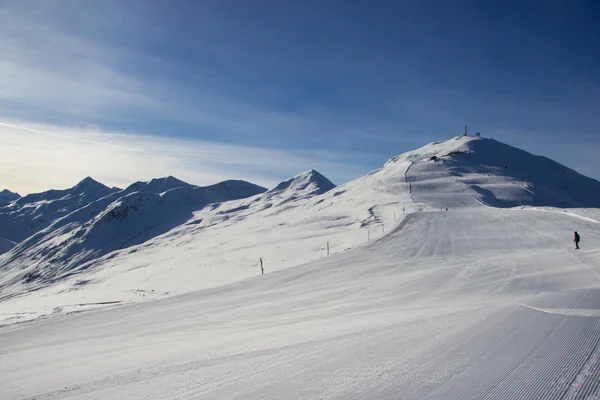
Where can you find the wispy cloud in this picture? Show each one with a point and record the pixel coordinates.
(44, 67)
(54, 71)
(38, 157)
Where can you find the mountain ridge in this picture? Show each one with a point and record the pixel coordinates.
(461, 172)
(308, 182)
(6, 197)
(503, 176)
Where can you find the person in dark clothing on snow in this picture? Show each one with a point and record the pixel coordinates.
(577, 239)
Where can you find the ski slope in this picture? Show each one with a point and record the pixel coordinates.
(472, 302)
(286, 226)
(468, 303)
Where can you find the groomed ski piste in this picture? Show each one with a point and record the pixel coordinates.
(452, 275)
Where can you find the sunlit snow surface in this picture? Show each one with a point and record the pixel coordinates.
(475, 302)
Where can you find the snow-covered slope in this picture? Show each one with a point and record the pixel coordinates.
(158, 185)
(86, 190)
(496, 174)
(6, 196)
(430, 290)
(222, 242)
(132, 245)
(470, 303)
(114, 222)
(304, 185)
(34, 212)
(6, 245)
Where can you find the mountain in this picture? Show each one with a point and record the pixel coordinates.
(128, 240)
(157, 185)
(291, 192)
(496, 174)
(6, 196)
(119, 221)
(306, 184)
(85, 191)
(34, 212)
(445, 274)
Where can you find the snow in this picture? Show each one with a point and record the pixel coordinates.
(6, 197)
(35, 212)
(487, 299)
(6, 245)
(117, 221)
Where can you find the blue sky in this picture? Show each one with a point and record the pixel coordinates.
(262, 90)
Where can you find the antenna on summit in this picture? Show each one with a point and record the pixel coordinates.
(465, 131)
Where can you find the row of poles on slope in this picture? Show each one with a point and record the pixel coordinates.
(375, 229)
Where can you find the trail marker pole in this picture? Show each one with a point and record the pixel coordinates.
(327, 248)
(383, 228)
(261, 267)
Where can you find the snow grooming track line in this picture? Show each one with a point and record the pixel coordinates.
(587, 381)
(559, 338)
(155, 371)
(431, 360)
(448, 388)
(560, 358)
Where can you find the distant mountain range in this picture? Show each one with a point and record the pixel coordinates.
(91, 204)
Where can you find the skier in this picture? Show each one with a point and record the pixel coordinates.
(577, 239)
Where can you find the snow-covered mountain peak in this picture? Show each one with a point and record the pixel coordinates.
(7, 192)
(237, 189)
(158, 185)
(6, 196)
(439, 149)
(168, 182)
(124, 219)
(91, 188)
(307, 183)
(491, 172)
(88, 181)
(32, 213)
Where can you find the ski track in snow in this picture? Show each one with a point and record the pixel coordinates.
(425, 312)
(471, 303)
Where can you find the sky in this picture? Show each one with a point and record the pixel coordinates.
(263, 90)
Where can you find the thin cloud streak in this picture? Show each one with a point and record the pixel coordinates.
(71, 77)
(46, 67)
(58, 135)
(37, 158)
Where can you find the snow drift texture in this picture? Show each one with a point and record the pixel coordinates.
(420, 280)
